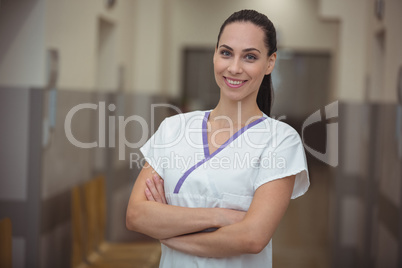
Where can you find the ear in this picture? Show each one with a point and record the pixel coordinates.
(271, 63)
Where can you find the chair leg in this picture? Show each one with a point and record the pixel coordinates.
(5, 243)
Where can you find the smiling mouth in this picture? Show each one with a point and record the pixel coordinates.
(234, 83)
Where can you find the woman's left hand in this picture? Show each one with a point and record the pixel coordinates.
(155, 190)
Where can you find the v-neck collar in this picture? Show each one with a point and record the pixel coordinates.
(231, 139)
(206, 147)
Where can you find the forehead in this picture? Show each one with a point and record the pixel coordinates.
(243, 35)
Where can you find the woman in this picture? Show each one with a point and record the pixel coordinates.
(216, 183)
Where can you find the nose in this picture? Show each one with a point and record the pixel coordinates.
(235, 66)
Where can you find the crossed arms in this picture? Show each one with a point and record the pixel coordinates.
(238, 232)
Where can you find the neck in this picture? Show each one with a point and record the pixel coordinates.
(238, 112)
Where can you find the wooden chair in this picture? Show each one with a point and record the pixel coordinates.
(87, 235)
(78, 241)
(144, 251)
(5, 243)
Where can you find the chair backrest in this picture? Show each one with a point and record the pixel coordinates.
(77, 225)
(91, 216)
(101, 207)
(94, 200)
(5, 243)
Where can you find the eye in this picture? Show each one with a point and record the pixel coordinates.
(225, 53)
(251, 57)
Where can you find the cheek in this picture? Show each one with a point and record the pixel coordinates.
(259, 72)
(218, 67)
(257, 76)
(217, 72)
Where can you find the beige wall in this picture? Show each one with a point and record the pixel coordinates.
(149, 42)
(393, 49)
(72, 29)
(362, 73)
(22, 33)
(29, 28)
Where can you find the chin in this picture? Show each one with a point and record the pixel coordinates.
(237, 94)
(233, 97)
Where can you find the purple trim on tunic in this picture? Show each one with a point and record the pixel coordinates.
(205, 134)
(206, 147)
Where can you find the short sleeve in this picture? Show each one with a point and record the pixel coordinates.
(153, 150)
(285, 159)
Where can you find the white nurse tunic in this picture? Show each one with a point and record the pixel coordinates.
(262, 151)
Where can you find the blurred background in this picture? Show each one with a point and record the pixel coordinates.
(338, 82)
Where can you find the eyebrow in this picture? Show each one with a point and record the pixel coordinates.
(244, 50)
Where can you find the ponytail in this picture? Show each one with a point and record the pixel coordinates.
(265, 95)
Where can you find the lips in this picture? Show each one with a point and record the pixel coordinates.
(234, 83)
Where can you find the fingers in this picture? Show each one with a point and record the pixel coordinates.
(155, 190)
(159, 187)
(152, 188)
(149, 195)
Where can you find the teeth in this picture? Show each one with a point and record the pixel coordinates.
(234, 82)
